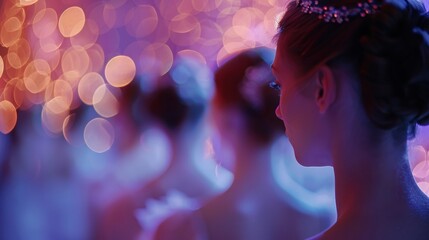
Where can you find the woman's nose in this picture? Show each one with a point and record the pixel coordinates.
(278, 112)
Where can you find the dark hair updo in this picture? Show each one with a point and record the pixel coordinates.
(182, 95)
(243, 82)
(389, 49)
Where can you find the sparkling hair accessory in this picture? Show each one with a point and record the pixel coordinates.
(337, 14)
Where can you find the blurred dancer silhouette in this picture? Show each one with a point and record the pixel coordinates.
(177, 106)
(254, 207)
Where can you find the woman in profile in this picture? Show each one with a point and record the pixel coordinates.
(353, 78)
(254, 207)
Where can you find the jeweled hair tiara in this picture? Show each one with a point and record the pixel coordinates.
(337, 14)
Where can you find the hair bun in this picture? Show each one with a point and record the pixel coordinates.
(395, 66)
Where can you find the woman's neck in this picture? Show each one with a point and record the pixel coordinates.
(253, 167)
(184, 151)
(373, 178)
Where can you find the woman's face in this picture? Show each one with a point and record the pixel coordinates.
(299, 112)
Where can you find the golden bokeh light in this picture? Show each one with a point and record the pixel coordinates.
(183, 23)
(1, 66)
(105, 102)
(25, 3)
(13, 10)
(34, 98)
(221, 55)
(57, 105)
(19, 95)
(157, 58)
(186, 7)
(10, 31)
(88, 36)
(210, 41)
(7, 91)
(51, 43)
(262, 4)
(67, 133)
(141, 21)
(134, 50)
(421, 170)
(281, 4)
(60, 89)
(88, 85)
(10, 72)
(53, 58)
(97, 56)
(194, 55)
(8, 117)
(32, 10)
(228, 9)
(115, 3)
(243, 17)
(168, 8)
(19, 54)
(238, 38)
(99, 135)
(185, 30)
(96, 14)
(162, 32)
(45, 23)
(416, 154)
(71, 21)
(109, 16)
(206, 5)
(271, 20)
(419, 161)
(37, 76)
(54, 113)
(120, 71)
(75, 60)
(14, 92)
(72, 78)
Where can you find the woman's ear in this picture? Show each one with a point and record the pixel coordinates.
(325, 88)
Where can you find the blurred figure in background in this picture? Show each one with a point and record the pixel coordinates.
(133, 161)
(130, 161)
(42, 196)
(254, 207)
(177, 106)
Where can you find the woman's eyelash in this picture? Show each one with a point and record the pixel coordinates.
(275, 85)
